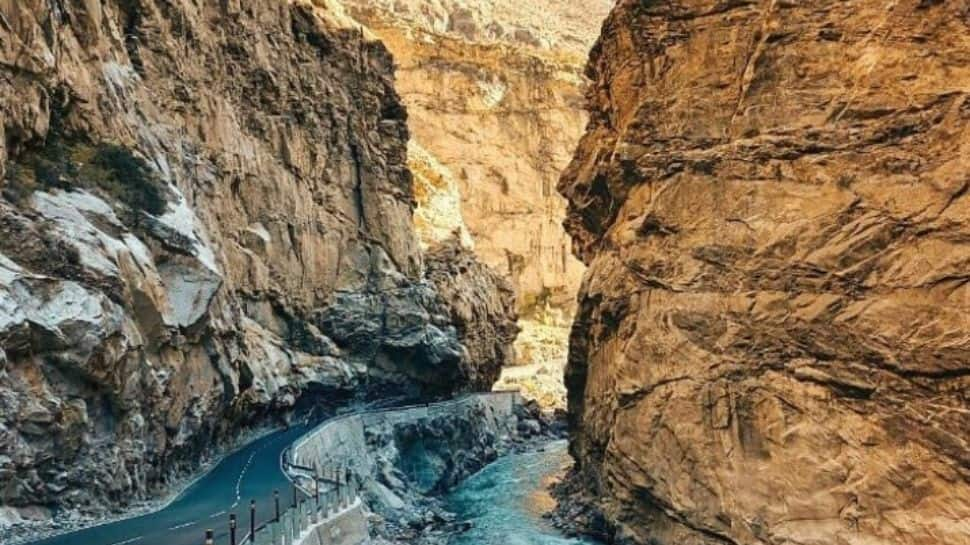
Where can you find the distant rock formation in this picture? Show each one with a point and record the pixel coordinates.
(772, 343)
(494, 92)
(205, 223)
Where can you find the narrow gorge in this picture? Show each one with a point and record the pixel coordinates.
(494, 93)
(443, 272)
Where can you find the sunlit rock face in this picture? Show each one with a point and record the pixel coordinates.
(494, 92)
(773, 343)
(205, 221)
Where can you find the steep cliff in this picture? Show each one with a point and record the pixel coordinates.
(772, 343)
(494, 95)
(206, 221)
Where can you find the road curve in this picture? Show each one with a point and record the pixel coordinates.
(252, 472)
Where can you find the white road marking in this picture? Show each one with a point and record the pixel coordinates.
(183, 525)
(242, 474)
(132, 540)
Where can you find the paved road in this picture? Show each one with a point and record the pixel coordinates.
(251, 473)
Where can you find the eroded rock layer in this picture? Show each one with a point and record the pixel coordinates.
(773, 339)
(206, 219)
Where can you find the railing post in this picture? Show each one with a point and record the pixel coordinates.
(208, 537)
(316, 483)
(252, 521)
(276, 500)
(294, 495)
(232, 529)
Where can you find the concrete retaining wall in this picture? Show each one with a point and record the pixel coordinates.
(346, 528)
(339, 446)
(341, 442)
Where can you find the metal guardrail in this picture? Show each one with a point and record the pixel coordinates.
(289, 524)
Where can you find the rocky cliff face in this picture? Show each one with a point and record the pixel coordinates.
(773, 344)
(206, 219)
(494, 93)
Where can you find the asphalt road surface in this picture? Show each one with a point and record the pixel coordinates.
(253, 472)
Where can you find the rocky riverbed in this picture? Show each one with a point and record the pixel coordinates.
(418, 465)
(509, 502)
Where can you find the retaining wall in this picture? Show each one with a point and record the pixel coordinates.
(346, 528)
(339, 446)
(341, 443)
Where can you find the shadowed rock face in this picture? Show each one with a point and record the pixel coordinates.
(482, 307)
(206, 221)
(773, 344)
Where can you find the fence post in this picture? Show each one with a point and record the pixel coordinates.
(252, 521)
(232, 529)
(276, 500)
(282, 532)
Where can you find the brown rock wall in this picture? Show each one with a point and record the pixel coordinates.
(206, 220)
(772, 342)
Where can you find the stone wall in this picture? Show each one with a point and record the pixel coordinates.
(398, 459)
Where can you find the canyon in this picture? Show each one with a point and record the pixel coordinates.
(772, 343)
(730, 237)
(494, 93)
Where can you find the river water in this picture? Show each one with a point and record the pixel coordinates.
(505, 501)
